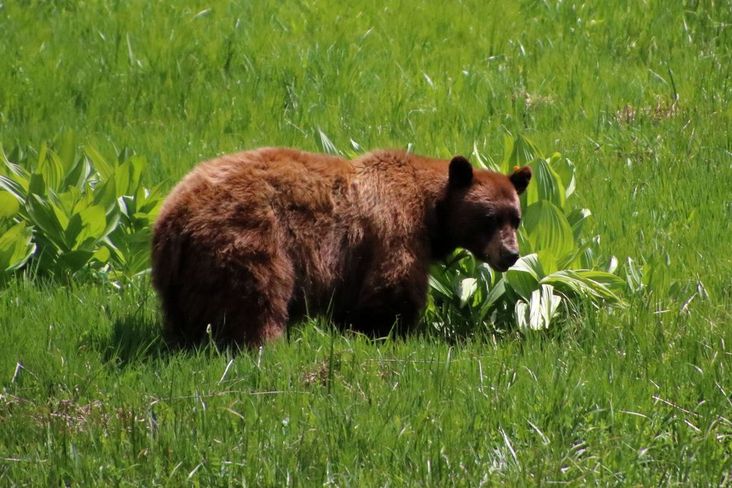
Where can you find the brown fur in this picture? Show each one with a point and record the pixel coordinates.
(250, 241)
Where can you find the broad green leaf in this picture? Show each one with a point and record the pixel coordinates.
(45, 259)
(105, 169)
(518, 151)
(465, 290)
(138, 262)
(141, 199)
(137, 165)
(37, 185)
(115, 254)
(102, 254)
(73, 230)
(578, 219)
(59, 212)
(149, 201)
(536, 321)
(78, 175)
(17, 172)
(67, 201)
(16, 180)
(52, 171)
(67, 152)
(538, 312)
(523, 240)
(589, 256)
(524, 276)
(484, 162)
(545, 184)
(566, 171)
(547, 229)
(13, 187)
(529, 263)
(142, 219)
(9, 205)
(521, 314)
(507, 151)
(42, 154)
(42, 216)
(122, 179)
(439, 283)
(633, 276)
(548, 261)
(73, 261)
(609, 280)
(495, 294)
(127, 176)
(113, 222)
(575, 258)
(16, 247)
(591, 284)
(127, 205)
(105, 194)
(487, 274)
(133, 254)
(548, 303)
(124, 154)
(93, 224)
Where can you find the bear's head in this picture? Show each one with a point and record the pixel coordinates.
(481, 212)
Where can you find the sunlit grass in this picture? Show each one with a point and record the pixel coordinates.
(637, 396)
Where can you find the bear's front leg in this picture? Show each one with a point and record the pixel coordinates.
(392, 310)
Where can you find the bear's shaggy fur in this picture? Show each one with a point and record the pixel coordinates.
(249, 241)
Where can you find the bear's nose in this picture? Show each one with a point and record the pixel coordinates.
(509, 257)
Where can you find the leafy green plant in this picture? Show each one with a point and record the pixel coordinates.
(16, 247)
(69, 210)
(560, 263)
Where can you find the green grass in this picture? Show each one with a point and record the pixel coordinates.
(635, 396)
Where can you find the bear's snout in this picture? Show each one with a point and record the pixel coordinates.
(509, 257)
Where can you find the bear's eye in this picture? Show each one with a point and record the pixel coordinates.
(515, 222)
(489, 221)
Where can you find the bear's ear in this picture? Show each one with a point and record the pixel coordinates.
(520, 178)
(461, 172)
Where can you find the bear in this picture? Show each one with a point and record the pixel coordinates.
(249, 242)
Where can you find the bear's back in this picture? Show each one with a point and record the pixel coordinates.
(250, 183)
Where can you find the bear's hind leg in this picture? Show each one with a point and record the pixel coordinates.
(256, 302)
(252, 326)
(243, 300)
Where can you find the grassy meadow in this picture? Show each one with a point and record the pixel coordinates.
(636, 94)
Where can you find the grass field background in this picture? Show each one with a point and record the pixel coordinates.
(637, 94)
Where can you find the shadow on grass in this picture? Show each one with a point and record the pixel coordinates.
(134, 339)
(137, 338)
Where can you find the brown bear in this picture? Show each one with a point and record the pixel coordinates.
(252, 240)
